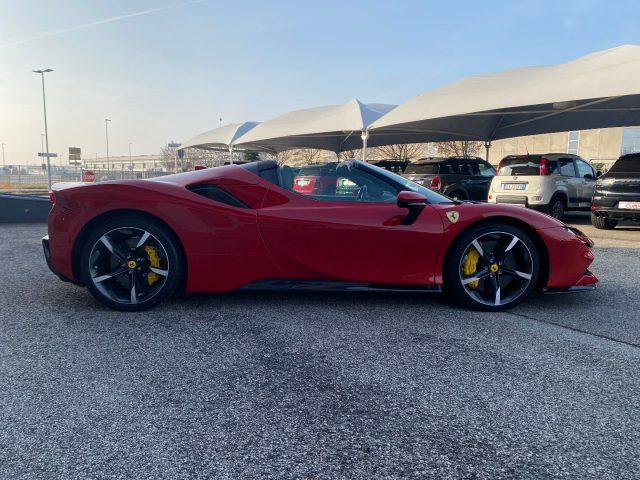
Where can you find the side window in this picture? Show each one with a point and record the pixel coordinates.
(465, 169)
(566, 167)
(486, 170)
(584, 169)
(336, 183)
(448, 168)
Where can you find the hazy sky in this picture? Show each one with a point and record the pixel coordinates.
(169, 69)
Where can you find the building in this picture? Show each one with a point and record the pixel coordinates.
(600, 146)
(137, 163)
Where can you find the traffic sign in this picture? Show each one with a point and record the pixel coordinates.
(74, 154)
(88, 176)
(50, 155)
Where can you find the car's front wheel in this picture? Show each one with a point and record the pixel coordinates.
(492, 267)
(131, 263)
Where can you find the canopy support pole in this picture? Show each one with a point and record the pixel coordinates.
(231, 154)
(487, 146)
(365, 137)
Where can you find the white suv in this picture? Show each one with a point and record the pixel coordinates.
(553, 183)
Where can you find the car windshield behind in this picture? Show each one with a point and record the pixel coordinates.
(630, 164)
(422, 169)
(529, 165)
(405, 184)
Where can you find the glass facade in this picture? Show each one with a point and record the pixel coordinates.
(574, 142)
(630, 140)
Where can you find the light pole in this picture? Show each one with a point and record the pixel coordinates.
(4, 164)
(130, 162)
(106, 135)
(46, 131)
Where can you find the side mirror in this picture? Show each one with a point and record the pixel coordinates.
(598, 174)
(412, 201)
(588, 176)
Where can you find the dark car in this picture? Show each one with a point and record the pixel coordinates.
(460, 178)
(617, 194)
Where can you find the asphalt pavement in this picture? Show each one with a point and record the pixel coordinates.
(317, 385)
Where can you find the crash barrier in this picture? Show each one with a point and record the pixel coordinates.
(23, 208)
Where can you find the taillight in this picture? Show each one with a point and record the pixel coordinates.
(544, 166)
(199, 167)
(436, 183)
(52, 197)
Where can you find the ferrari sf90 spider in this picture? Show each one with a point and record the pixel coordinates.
(347, 225)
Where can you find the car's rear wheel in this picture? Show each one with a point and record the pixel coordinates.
(131, 263)
(492, 267)
(603, 223)
(557, 207)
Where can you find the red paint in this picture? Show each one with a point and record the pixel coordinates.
(288, 235)
(88, 176)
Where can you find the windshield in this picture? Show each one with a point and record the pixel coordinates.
(520, 166)
(424, 169)
(626, 165)
(405, 184)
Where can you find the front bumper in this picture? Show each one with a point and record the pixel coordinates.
(47, 257)
(587, 282)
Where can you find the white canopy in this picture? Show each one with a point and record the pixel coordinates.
(334, 127)
(595, 91)
(222, 138)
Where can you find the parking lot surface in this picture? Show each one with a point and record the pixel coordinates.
(318, 385)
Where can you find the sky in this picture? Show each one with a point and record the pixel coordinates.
(170, 69)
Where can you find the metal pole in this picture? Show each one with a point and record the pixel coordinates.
(106, 134)
(130, 162)
(46, 130)
(231, 153)
(487, 146)
(175, 161)
(4, 164)
(365, 137)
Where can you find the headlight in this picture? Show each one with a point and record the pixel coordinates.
(579, 235)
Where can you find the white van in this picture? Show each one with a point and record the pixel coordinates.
(553, 182)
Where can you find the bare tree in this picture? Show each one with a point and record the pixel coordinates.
(461, 148)
(348, 154)
(400, 151)
(299, 156)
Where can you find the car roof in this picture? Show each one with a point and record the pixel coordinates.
(436, 160)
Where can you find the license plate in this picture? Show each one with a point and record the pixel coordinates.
(629, 205)
(514, 186)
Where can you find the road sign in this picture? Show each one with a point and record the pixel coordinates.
(173, 145)
(50, 155)
(74, 155)
(88, 176)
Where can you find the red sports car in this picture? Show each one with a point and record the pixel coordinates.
(135, 243)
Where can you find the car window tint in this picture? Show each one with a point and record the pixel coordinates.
(486, 170)
(422, 169)
(448, 169)
(584, 169)
(465, 169)
(335, 182)
(566, 167)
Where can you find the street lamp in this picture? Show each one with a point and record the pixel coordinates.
(106, 134)
(46, 132)
(4, 164)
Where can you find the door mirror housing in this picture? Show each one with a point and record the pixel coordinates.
(598, 174)
(414, 202)
(411, 200)
(588, 176)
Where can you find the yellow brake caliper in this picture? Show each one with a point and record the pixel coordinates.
(471, 266)
(154, 261)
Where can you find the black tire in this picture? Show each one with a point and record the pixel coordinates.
(603, 223)
(557, 207)
(453, 282)
(163, 240)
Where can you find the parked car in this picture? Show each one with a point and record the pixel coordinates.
(552, 182)
(395, 166)
(617, 193)
(460, 178)
(135, 243)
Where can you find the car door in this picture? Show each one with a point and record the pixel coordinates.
(569, 179)
(486, 174)
(587, 176)
(345, 235)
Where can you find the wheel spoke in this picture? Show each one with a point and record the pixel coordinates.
(143, 239)
(115, 273)
(514, 241)
(496, 286)
(164, 273)
(476, 277)
(107, 243)
(134, 296)
(476, 245)
(517, 273)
